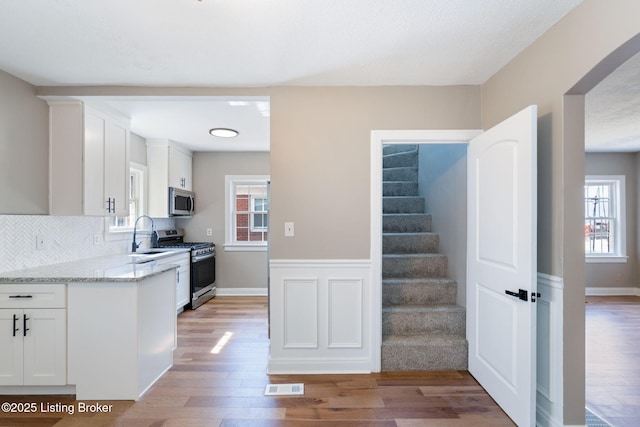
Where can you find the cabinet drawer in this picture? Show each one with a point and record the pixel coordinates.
(32, 296)
(183, 260)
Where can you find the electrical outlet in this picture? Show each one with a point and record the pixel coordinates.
(97, 239)
(288, 229)
(41, 242)
(618, 277)
(209, 232)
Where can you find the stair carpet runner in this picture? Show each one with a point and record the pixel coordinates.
(422, 327)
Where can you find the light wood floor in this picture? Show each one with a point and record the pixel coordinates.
(226, 389)
(613, 359)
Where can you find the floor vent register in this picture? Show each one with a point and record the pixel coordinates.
(284, 390)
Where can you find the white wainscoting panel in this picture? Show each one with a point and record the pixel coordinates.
(549, 351)
(320, 313)
(300, 313)
(345, 313)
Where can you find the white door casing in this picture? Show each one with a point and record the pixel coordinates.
(378, 139)
(501, 257)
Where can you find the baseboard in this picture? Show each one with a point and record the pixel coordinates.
(38, 390)
(612, 291)
(242, 292)
(544, 419)
(312, 366)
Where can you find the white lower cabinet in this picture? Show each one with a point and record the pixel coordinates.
(121, 336)
(32, 339)
(183, 286)
(183, 277)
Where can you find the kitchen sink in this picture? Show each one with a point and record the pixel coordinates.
(146, 256)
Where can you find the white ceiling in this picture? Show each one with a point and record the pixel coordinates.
(245, 43)
(187, 120)
(612, 111)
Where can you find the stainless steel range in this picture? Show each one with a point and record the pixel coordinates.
(203, 263)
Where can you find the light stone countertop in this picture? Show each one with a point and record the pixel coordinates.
(115, 268)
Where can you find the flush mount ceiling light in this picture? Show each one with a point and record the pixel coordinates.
(224, 132)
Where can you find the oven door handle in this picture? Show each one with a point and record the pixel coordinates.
(202, 257)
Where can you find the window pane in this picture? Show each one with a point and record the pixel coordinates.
(250, 217)
(599, 218)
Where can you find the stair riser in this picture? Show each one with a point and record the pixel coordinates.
(409, 243)
(415, 223)
(402, 205)
(407, 159)
(398, 148)
(418, 322)
(400, 174)
(400, 188)
(414, 267)
(425, 357)
(419, 293)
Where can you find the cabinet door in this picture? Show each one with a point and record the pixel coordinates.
(95, 201)
(117, 168)
(11, 357)
(179, 169)
(183, 290)
(45, 355)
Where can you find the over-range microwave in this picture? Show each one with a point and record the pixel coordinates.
(181, 202)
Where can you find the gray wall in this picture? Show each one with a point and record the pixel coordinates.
(603, 275)
(138, 149)
(24, 148)
(570, 58)
(320, 151)
(233, 269)
(443, 183)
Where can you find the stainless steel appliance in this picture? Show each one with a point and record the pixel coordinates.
(181, 202)
(203, 264)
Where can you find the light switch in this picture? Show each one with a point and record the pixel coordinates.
(288, 229)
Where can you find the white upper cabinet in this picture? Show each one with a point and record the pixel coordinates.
(89, 151)
(180, 168)
(170, 165)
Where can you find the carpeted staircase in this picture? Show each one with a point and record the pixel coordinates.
(422, 327)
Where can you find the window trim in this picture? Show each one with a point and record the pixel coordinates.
(126, 233)
(252, 219)
(619, 254)
(229, 244)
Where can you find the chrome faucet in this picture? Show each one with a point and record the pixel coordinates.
(135, 245)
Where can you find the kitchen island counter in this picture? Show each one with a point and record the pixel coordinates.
(115, 328)
(115, 268)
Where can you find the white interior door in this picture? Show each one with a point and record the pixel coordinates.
(501, 263)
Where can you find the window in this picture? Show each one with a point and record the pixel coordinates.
(137, 205)
(247, 212)
(604, 221)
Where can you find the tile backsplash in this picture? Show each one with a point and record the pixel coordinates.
(64, 239)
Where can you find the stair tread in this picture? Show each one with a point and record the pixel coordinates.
(418, 280)
(422, 255)
(425, 308)
(422, 339)
(409, 233)
(399, 153)
(407, 216)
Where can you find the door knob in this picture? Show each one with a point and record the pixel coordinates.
(521, 294)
